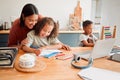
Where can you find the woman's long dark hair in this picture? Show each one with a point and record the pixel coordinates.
(47, 21)
(28, 10)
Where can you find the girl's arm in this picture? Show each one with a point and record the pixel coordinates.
(57, 46)
(38, 51)
(31, 50)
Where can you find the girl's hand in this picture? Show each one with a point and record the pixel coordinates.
(39, 50)
(66, 47)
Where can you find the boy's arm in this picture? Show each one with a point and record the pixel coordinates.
(86, 44)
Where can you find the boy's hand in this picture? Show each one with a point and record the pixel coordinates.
(90, 40)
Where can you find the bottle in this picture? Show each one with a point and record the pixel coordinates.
(6, 25)
(1, 24)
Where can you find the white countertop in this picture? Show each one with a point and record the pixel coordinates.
(61, 31)
(80, 31)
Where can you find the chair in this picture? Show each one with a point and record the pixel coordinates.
(106, 33)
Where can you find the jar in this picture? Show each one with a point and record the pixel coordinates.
(6, 25)
(27, 61)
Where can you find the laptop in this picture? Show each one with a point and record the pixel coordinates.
(102, 48)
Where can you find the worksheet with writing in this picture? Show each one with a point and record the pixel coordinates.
(49, 53)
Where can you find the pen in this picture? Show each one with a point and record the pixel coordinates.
(68, 57)
(60, 54)
(64, 57)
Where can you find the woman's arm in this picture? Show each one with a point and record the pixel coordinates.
(12, 39)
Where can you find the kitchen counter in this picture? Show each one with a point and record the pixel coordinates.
(4, 31)
(80, 31)
(70, 38)
(4, 37)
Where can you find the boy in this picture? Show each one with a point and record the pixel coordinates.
(87, 39)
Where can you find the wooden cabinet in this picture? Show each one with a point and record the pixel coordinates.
(71, 38)
(4, 38)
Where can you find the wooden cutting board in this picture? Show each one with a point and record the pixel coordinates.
(39, 66)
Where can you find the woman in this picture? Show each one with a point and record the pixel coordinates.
(26, 22)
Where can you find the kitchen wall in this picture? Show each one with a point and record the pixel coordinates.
(106, 12)
(110, 12)
(110, 15)
(58, 9)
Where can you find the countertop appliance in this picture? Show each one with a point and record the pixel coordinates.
(7, 56)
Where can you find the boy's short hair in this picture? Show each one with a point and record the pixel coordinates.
(86, 23)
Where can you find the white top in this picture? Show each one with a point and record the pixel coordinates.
(86, 37)
(36, 42)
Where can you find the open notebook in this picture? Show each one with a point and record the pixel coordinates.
(93, 73)
(102, 48)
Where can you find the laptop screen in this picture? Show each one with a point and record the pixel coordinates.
(102, 48)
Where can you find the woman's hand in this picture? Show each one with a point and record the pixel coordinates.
(25, 41)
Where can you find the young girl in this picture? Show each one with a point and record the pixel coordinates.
(87, 39)
(44, 36)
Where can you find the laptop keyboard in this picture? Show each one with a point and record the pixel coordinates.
(86, 52)
(115, 50)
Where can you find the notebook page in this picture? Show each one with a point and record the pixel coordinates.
(93, 73)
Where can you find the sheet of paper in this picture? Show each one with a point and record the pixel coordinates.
(49, 53)
(93, 73)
